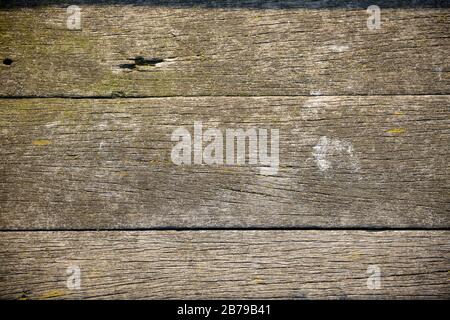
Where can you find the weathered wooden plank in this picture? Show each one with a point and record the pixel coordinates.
(225, 264)
(343, 162)
(223, 51)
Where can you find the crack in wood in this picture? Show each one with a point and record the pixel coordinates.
(141, 61)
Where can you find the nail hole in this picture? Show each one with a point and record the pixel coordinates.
(141, 61)
(7, 61)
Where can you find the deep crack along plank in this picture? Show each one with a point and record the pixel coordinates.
(225, 264)
(344, 162)
(191, 50)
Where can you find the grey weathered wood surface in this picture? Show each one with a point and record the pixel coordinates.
(364, 122)
(105, 163)
(225, 264)
(222, 51)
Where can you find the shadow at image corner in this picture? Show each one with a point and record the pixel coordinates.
(250, 4)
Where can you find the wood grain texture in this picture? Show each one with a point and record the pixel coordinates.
(344, 162)
(364, 118)
(225, 264)
(223, 51)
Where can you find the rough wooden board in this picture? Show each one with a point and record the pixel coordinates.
(225, 264)
(223, 51)
(105, 163)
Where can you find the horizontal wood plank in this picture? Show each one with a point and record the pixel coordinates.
(106, 163)
(225, 264)
(191, 51)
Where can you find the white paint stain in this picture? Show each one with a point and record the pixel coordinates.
(103, 125)
(52, 124)
(337, 48)
(166, 62)
(315, 92)
(313, 107)
(329, 152)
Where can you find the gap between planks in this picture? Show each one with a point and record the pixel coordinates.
(244, 229)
